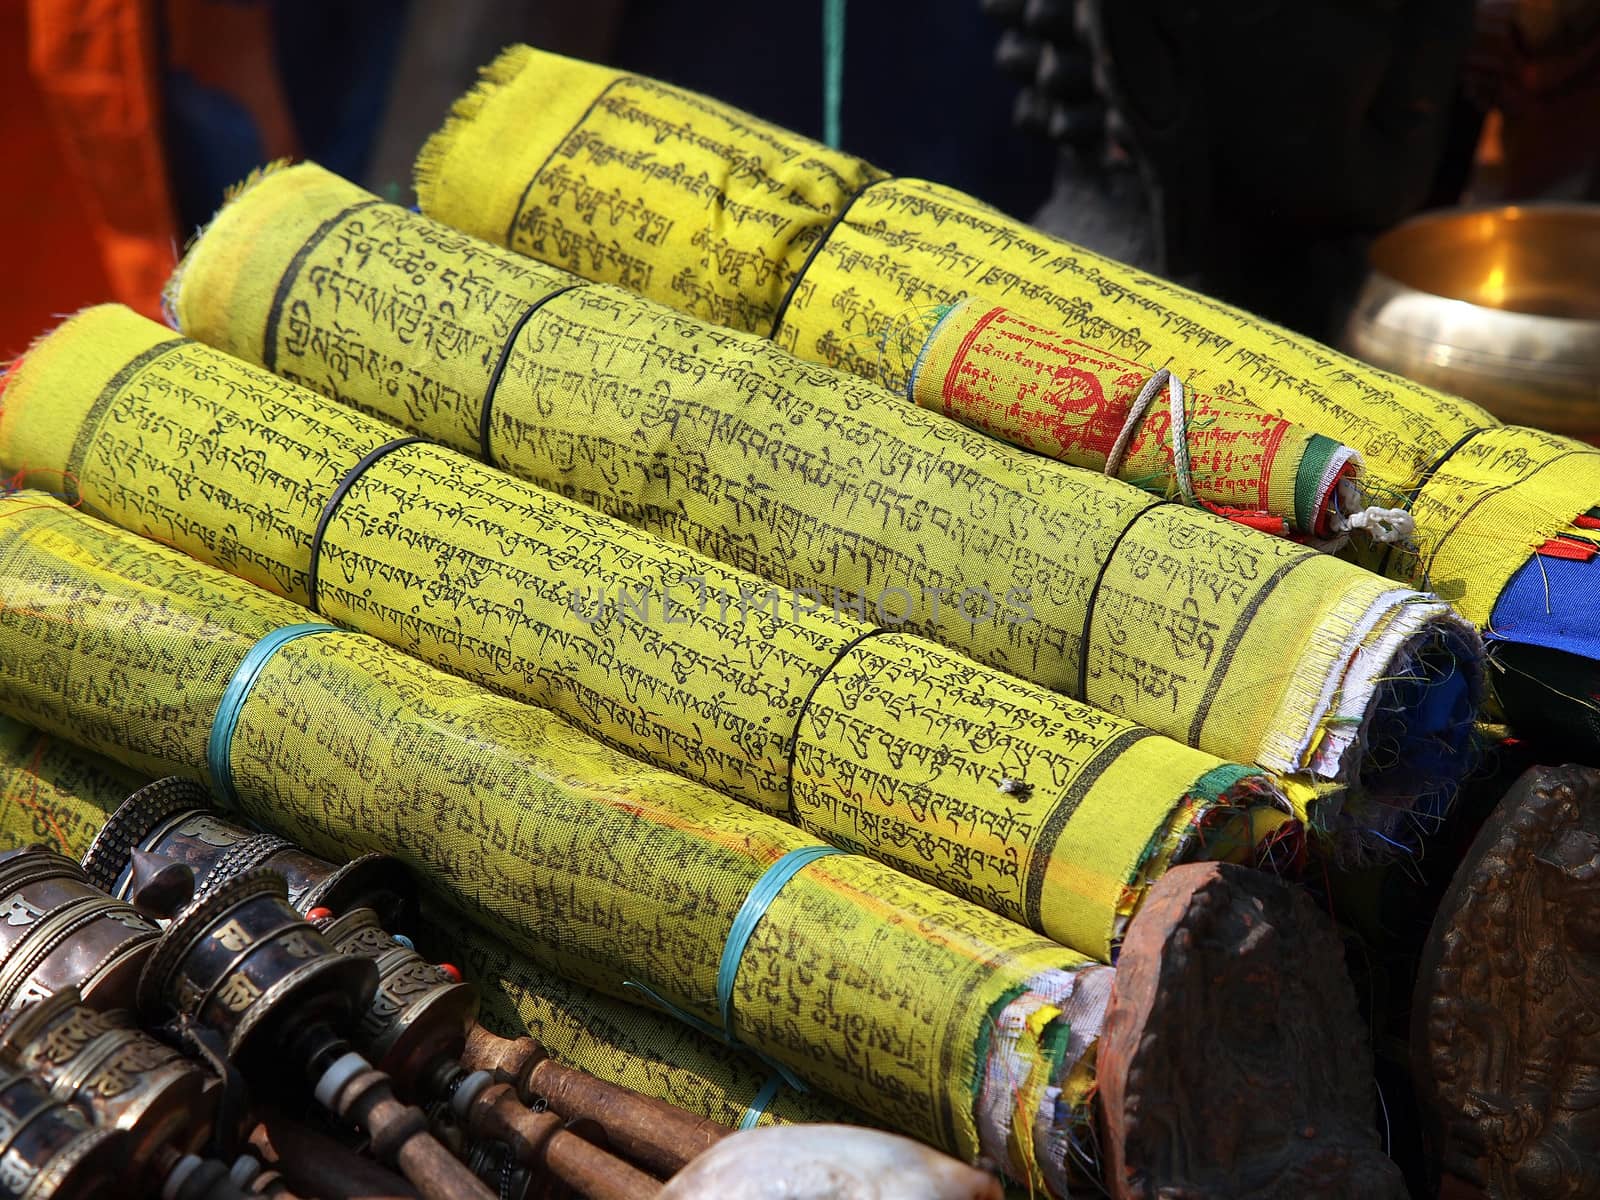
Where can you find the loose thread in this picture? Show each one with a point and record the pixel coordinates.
(1385, 526)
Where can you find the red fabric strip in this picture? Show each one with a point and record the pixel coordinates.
(1563, 548)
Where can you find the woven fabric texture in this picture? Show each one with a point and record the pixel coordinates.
(1241, 644)
(887, 744)
(876, 988)
(719, 214)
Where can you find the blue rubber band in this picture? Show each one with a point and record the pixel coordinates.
(755, 907)
(749, 915)
(758, 1106)
(682, 1014)
(219, 746)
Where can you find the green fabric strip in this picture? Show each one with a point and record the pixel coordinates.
(1308, 480)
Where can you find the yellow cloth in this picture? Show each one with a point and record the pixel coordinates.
(876, 988)
(55, 794)
(636, 1047)
(1244, 645)
(714, 212)
(904, 746)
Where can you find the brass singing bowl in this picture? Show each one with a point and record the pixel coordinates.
(1498, 305)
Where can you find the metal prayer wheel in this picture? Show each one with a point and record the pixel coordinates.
(171, 824)
(241, 963)
(416, 1030)
(58, 930)
(120, 1075)
(188, 1177)
(49, 1150)
(240, 967)
(420, 1015)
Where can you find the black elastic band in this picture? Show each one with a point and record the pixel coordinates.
(1433, 468)
(805, 705)
(1094, 594)
(500, 368)
(1426, 478)
(345, 484)
(89, 429)
(291, 274)
(816, 247)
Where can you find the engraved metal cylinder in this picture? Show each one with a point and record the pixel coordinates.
(58, 930)
(49, 1150)
(419, 1014)
(174, 819)
(115, 1071)
(241, 963)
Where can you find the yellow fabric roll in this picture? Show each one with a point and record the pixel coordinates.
(52, 793)
(879, 989)
(1243, 645)
(55, 794)
(714, 212)
(624, 1043)
(904, 747)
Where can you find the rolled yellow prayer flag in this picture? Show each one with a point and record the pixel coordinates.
(1243, 645)
(56, 794)
(928, 1013)
(716, 213)
(1038, 807)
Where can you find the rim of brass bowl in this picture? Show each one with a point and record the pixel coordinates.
(1541, 260)
(1499, 304)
